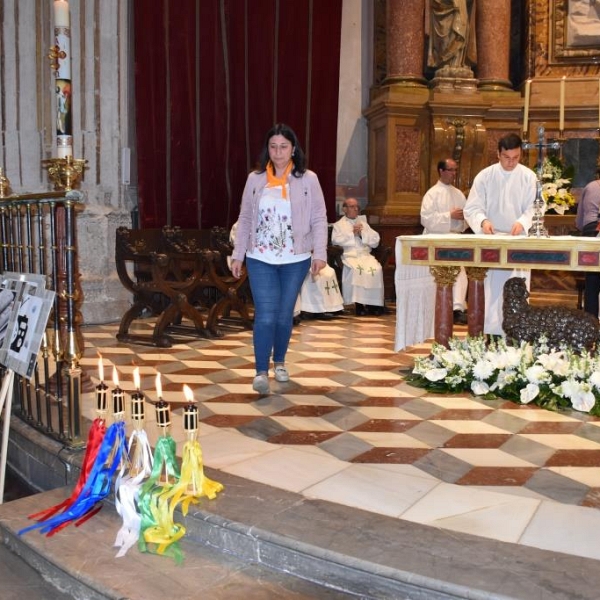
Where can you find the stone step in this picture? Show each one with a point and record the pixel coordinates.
(257, 541)
(80, 562)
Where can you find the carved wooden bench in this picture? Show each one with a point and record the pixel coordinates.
(175, 274)
(164, 282)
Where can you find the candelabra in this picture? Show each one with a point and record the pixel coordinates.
(537, 228)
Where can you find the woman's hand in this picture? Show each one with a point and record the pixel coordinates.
(316, 266)
(236, 268)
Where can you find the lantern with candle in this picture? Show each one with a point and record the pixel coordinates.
(163, 418)
(165, 470)
(137, 401)
(118, 398)
(190, 414)
(101, 391)
(140, 453)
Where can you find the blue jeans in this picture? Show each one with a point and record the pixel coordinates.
(274, 290)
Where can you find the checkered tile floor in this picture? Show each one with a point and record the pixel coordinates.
(347, 399)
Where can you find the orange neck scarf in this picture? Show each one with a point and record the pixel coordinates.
(273, 180)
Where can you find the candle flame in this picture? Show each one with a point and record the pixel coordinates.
(187, 392)
(136, 378)
(158, 385)
(115, 376)
(100, 368)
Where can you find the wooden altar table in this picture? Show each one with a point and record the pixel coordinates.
(443, 255)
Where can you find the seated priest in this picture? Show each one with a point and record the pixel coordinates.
(320, 296)
(362, 276)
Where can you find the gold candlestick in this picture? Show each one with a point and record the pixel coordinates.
(65, 173)
(5, 190)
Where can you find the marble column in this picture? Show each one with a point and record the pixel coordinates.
(405, 41)
(493, 44)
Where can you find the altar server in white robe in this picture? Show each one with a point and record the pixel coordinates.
(362, 276)
(442, 212)
(501, 202)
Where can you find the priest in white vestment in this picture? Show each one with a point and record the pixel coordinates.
(501, 202)
(362, 276)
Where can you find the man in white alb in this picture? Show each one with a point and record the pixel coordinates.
(442, 212)
(362, 276)
(501, 202)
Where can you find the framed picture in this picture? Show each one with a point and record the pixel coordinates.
(575, 31)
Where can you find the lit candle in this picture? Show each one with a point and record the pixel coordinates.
(101, 390)
(561, 120)
(61, 13)
(163, 419)
(526, 109)
(117, 397)
(190, 413)
(137, 399)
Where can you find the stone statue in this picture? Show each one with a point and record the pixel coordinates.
(451, 28)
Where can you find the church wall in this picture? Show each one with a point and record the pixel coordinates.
(355, 80)
(101, 127)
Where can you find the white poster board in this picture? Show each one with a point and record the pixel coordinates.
(25, 306)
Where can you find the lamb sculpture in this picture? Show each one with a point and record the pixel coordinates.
(560, 325)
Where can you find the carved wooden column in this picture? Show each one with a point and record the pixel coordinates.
(405, 41)
(493, 44)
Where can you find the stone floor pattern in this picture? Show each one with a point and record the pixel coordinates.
(348, 428)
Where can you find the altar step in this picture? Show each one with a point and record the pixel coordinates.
(255, 541)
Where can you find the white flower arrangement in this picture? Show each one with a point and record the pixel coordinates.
(556, 185)
(552, 378)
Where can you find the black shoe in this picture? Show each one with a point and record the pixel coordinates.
(360, 309)
(326, 316)
(375, 310)
(460, 317)
(296, 320)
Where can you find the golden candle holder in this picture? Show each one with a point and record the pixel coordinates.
(5, 190)
(65, 173)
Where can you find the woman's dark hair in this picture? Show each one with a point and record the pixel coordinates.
(298, 157)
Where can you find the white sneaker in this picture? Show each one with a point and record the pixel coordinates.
(261, 384)
(281, 374)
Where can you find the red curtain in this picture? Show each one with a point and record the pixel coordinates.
(211, 77)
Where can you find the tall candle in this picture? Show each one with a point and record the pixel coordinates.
(561, 120)
(62, 74)
(526, 109)
(61, 13)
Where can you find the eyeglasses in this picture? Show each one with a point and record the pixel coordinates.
(450, 169)
(350, 207)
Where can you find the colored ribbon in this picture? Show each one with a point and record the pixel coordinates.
(193, 483)
(96, 488)
(158, 533)
(94, 441)
(127, 490)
